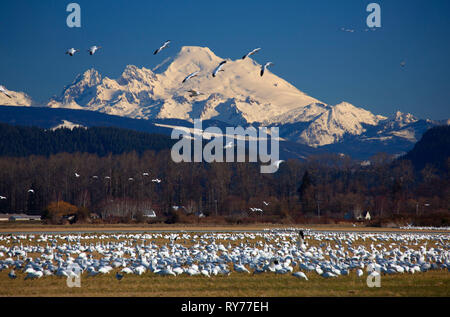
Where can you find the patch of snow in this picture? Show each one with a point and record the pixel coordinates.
(68, 125)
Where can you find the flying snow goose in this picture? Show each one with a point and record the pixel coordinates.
(263, 68)
(256, 50)
(229, 145)
(191, 76)
(3, 90)
(71, 51)
(166, 44)
(277, 163)
(93, 49)
(194, 93)
(218, 68)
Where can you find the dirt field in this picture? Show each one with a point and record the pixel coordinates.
(8, 227)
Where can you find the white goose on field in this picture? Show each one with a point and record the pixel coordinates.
(12, 274)
(300, 275)
(239, 268)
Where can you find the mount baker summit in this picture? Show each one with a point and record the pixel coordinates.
(237, 96)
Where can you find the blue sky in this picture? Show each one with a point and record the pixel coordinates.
(303, 38)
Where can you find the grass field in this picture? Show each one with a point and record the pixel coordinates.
(236, 285)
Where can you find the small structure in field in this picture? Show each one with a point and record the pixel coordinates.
(149, 213)
(19, 217)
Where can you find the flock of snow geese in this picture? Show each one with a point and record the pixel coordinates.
(130, 179)
(72, 51)
(292, 252)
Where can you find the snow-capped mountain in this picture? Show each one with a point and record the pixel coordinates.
(238, 95)
(332, 125)
(401, 125)
(17, 98)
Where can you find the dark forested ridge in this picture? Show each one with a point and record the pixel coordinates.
(432, 150)
(25, 141)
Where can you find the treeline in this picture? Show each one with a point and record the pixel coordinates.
(329, 185)
(117, 174)
(20, 141)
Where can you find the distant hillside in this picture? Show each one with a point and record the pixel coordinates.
(49, 118)
(433, 148)
(24, 141)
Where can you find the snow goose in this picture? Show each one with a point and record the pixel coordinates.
(256, 50)
(12, 274)
(263, 68)
(93, 49)
(301, 275)
(219, 68)
(165, 45)
(71, 51)
(3, 90)
(194, 74)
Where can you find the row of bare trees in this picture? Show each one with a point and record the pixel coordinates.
(327, 185)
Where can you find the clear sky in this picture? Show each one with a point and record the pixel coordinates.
(303, 38)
